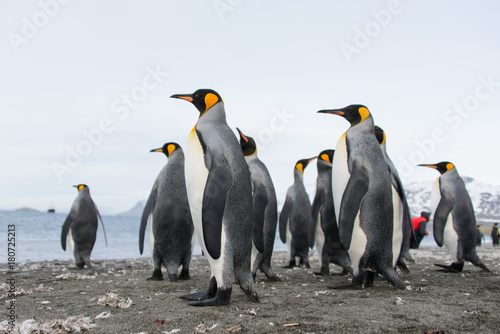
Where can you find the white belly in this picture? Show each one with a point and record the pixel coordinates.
(288, 238)
(340, 174)
(358, 245)
(196, 179)
(397, 232)
(319, 239)
(70, 240)
(255, 258)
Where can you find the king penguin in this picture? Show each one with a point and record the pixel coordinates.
(362, 195)
(295, 218)
(403, 228)
(171, 227)
(219, 191)
(80, 227)
(454, 220)
(265, 209)
(323, 218)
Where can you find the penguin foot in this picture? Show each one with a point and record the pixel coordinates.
(402, 266)
(201, 295)
(184, 274)
(222, 297)
(273, 277)
(453, 268)
(341, 273)
(319, 273)
(157, 276)
(483, 267)
(291, 265)
(172, 277)
(353, 286)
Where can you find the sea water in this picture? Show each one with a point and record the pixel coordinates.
(38, 238)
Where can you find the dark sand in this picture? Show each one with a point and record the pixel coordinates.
(434, 301)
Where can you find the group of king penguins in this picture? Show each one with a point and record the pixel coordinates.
(218, 188)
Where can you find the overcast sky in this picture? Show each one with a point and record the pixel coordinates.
(85, 86)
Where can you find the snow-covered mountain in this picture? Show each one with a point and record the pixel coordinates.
(485, 198)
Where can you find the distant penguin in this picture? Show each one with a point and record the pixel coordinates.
(453, 217)
(220, 197)
(265, 209)
(403, 227)
(80, 227)
(495, 236)
(363, 200)
(171, 227)
(295, 221)
(323, 218)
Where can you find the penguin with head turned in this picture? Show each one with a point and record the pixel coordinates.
(265, 209)
(323, 218)
(295, 221)
(219, 191)
(80, 227)
(363, 200)
(454, 221)
(171, 227)
(403, 227)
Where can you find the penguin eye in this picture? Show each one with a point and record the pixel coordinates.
(197, 96)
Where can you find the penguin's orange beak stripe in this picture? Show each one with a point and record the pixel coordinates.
(430, 166)
(243, 137)
(334, 112)
(187, 98)
(312, 159)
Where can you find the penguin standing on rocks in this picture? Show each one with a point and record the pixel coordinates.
(363, 200)
(219, 191)
(80, 227)
(323, 218)
(295, 219)
(403, 227)
(265, 209)
(171, 227)
(453, 218)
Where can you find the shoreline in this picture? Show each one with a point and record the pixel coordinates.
(300, 303)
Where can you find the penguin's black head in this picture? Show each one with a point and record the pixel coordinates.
(167, 149)
(442, 167)
(203, 99)
(380, 134)
(247, 144)
(355, 113)
(326, 155)
(302, 164)
(80, 187)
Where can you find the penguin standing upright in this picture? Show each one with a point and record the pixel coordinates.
(363, 199)
(220, 198)
(80, 227)
(454, 220)
(323, 219)
(403, 227)
(295, 218)
(265, 209)
(171, 227)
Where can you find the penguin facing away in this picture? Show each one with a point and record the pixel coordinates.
(363, 199)
(171, 227)
(295, 221)
(219, 191)
(453, 217)
(403, 228)
(80, 227)
(323, 218)
(265, 209)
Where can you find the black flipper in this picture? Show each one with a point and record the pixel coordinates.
(443, 210)
(148, 208)
(102, 224)
(260, 202)
(356, 188)
(66, 226)
(319, 198)
(214, 202)
(284, 214)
